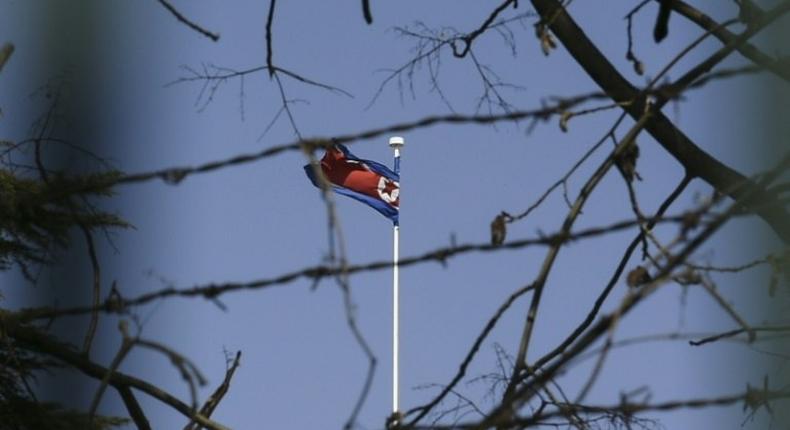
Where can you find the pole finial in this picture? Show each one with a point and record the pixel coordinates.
(396, 142)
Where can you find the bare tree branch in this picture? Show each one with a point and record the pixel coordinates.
(696, 161)
(523, 394)
(613, 279)
(423, 410)
(736, 332)
(469, 38)
(746, 49)
(123, 351)
(184, 20)
(504, 412)
(135, 411)
(751, 398)
(711, 289)
(213, 401)
(34, 340)
(548, 262)
(269, 21)
(366, 12)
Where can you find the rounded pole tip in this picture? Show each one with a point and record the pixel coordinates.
(396, 141)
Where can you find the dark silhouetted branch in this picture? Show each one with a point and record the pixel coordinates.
(548, 262)
(746, 49)
(184, 20)
(504, 412)
(34, 340)
(469, 38)
(133, 407)
(269, 22)
(696, 161)
(366, 12)
(613, 279)
(736, 332)
(752, 398)
(213, 401)
(423, 410)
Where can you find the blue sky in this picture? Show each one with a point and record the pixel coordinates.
(301, 367)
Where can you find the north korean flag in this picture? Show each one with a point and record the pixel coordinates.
(369, 182)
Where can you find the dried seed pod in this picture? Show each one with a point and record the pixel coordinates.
(626, 162)
(498, 229)
(638, 276)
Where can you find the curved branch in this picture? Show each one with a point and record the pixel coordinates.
(422, 411)
(179, 16)
(746, 49)
(213, 401)
(366, 12)
(696, 161)
(34, 340)
(503, 412)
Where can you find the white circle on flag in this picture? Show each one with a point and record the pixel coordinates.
(388, 193)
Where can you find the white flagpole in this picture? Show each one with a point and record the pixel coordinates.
(395, 143)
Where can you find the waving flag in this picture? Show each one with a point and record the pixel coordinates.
(369, 182)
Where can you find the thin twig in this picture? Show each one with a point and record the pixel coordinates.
(423, 410)
(673, 140)
(711, 289)
(341, 275)
(503, 412)
(35, 340)
(269, 21)
(126, 346)
(626, 408)
(736, 332)
(213, 401)
(189, 372)
(567, 174)
(86, 347)
(746, 49)
(469, 38)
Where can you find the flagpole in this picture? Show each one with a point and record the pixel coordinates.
(395, 143)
